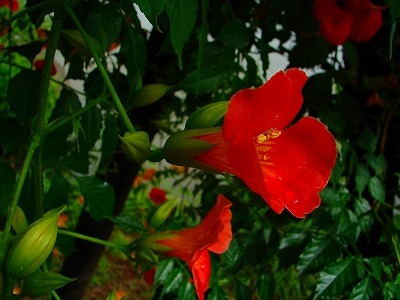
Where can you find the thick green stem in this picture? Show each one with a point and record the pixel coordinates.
(40, 119)
(123, 248)
(103, 72)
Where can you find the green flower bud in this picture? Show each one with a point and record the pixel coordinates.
(161, 213)
(32, 247)
(207, 116)
(3, 253)
(19, 222)
(136, 145)
(41, 283)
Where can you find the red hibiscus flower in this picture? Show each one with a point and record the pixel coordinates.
(287, 167)
(357, 19)
(13, 4)
(157, 195)
(38, 64)
(192, 244)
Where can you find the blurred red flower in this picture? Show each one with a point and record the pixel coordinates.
(357, 19)
(287, 167)
(157, 195)
(149, 276)
(192, 244)
(149, 174)
(38, 64)
(13, 4)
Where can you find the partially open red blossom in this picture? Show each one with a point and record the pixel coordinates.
(38, 64)
(192, 244)
(286, 166)
(357, 19)
(157, 195)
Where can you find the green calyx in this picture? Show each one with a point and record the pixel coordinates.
(40, 283)
(182, 147)
(151, 242)
(207, 116)
(32, 247)
(19, 222)
(136, 145)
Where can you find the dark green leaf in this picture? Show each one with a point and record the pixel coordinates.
(99, 196)
(309, 52)
(91, 125)
(77, 161)
(26, 199)
(375, 263)
(266, 286)
(377, 163)
(347, 226)
(202, 33)
(392, 289)
(264, 55)
(186, 291)
(151, 9)
(109, 137)
(319, 253)
(67, 101)
(350, 54)
(29, 50)
(162, 271)
(362, 210)
(217, 294)
(367, 140)
(55, 145)
(182, 16)
(256, 247)
(133, 49)
(23, 93)
(12, 135)
(7, 182)
(208, 80)
(242, 291)
(376, 188)
(362, 177)
(366, 289)
(291, 246)
(105, 24)
(172, 282)
(234, 255)
(336, 278)
(128, 223)
(235, 35)
(57, 194)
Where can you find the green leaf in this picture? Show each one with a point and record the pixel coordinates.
(350, 54)
(172, 282)
(319, 253)
(377, 163)
(162, 271)
(366, 289)
(151, 9)
(186, 291)
(99, 196)
(362, 210)
(7, 182)
(291, 246)
(58, 192)
(109, 137)
(376, 188)
(149, 94)
(29, 50)
(182, 16)
(202, 33)
(91, 125)
(235, 35)
(128, 223)
(309, 52)
(375, 263)
(77, 161)
(217, 294)
(75, 38)
(23, 93)
(336, 278)
(362, 177)
(12, 135)
(367, 140)
(234, 255)
(208, 80)
(242, 291)
(266, 286)
(133, 50)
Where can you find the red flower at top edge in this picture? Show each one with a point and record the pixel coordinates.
(340, 19)
(13, 4)
(192, 244)
(287, 167)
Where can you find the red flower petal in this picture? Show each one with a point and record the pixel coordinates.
(201, 270)
(366, 25)
(149, 276)
(157, 195)
(273, 105)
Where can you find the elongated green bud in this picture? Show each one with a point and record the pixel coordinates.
(136, 145)
(207, 116)
(32, 247)
(19, 222)
(40, 283)
(161, 213)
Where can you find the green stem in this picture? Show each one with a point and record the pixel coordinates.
(123, 248)
(40, 118)
(55, 295)
(103, 72)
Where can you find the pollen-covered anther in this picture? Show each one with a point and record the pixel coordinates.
(269, 134)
